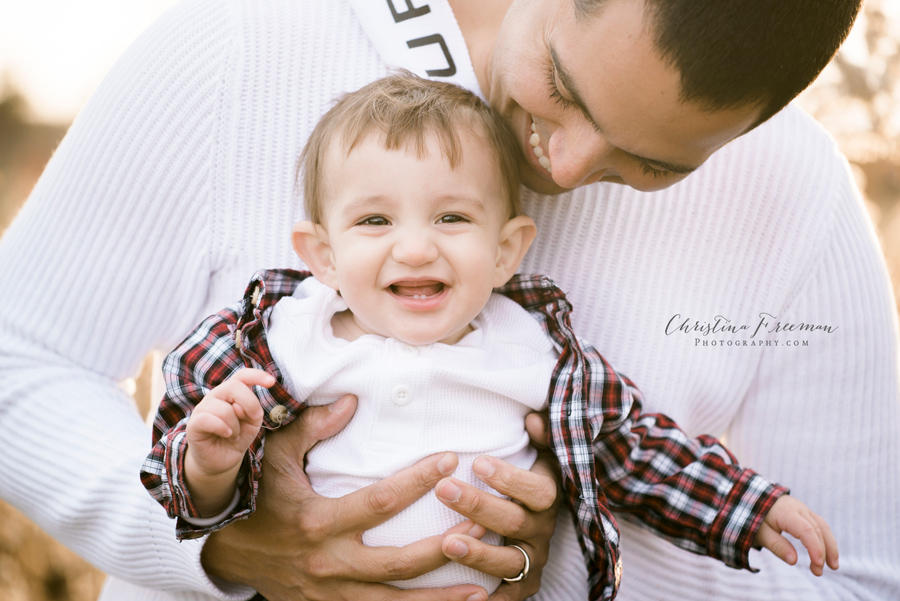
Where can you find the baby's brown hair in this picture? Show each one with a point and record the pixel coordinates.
(405, 109)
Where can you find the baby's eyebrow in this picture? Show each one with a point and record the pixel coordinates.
(475, 201)
(364, 202)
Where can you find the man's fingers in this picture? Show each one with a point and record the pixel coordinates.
(315, 423)
(538, 427)
(382, 592)
(377, 502)
(769, 538)
(500, 515)
(467, 527)
(536, 489)
(503, 562)
(380, 564)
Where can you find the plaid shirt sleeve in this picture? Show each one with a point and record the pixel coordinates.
(689, 491)
(224, 343)
(205, 359)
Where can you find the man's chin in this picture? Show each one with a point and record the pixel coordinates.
(541, 185)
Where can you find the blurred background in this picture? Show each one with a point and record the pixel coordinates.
(54, 52)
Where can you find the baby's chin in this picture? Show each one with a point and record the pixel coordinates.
(420, 338)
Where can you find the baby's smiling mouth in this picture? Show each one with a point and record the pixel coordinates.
(417, 289)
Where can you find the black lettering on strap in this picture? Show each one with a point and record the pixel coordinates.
(436, 39)
(412, 13)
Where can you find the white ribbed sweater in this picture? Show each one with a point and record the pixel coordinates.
(176, 183)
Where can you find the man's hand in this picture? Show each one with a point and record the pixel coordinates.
(529, 522)
(792, 516)
(300, 546)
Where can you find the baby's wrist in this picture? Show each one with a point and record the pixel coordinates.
(210, 491)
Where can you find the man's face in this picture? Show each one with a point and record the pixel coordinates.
(413, 241)
(591, 100)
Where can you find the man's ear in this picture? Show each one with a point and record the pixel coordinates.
(515, 239)
(310, 242)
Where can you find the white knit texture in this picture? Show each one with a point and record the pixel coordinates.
(176, 183)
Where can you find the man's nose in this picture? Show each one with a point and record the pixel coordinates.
(414, 247)
(579, 156)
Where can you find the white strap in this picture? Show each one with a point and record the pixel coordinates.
(419, 35)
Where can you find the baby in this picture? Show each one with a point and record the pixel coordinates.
(414, 237)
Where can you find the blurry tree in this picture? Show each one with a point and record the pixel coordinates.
(25, 148)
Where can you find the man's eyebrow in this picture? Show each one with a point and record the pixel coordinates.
(569, 84)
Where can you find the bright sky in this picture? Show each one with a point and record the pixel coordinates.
(57, 51)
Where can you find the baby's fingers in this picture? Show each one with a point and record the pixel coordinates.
(831, 548)
(237, 391)
(769, 538)
(803, 527)
(208, 423)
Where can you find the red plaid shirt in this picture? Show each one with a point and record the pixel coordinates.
(688, 490)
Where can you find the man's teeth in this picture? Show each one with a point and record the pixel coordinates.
(535, 141)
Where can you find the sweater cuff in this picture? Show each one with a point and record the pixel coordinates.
(221, 589)
(733, 531)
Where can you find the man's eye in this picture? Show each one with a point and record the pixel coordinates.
(555, 94)
(654, 172)
(374, 220)
(452, 219)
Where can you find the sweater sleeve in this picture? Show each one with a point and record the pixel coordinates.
(108, 260)
(834, 405)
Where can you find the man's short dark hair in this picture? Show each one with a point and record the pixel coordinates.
(734, 53)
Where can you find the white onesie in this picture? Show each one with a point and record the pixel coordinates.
(470, 398)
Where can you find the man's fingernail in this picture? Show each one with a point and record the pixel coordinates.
(447, 464)
(339, 404)
(457, 548)
(450, 492)
(483, 467)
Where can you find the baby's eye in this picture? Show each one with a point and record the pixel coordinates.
(374, 220)
(453, 218)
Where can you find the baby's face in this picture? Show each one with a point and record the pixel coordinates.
(414, 242)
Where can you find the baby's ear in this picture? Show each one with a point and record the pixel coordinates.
(515, 239)
(310, 242)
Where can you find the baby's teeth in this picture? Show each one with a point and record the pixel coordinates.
(538, 151)
(545, 162)
(535, 140)
(533, 126)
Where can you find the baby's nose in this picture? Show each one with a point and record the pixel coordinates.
(414, 248)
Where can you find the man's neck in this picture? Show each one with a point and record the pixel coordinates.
(479, 21)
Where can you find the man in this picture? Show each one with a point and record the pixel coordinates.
(174, 174)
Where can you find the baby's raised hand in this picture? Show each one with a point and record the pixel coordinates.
(224, 424)
(792, 516)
